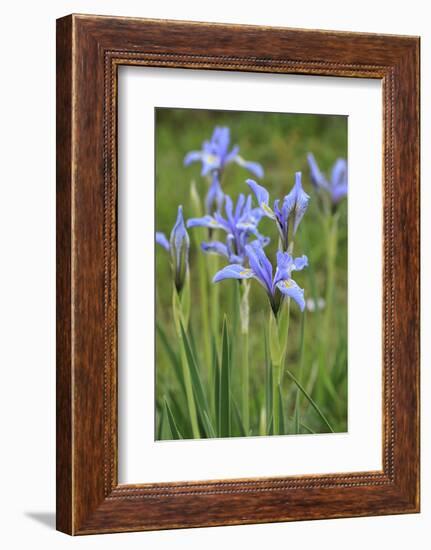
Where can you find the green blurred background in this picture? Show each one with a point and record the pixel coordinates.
(280, 143)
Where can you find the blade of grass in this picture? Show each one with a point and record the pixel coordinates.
(199, 235)
(275, 400)
(224, 399)
(237, 415)
(172, 356)
(191, 405)
(192, 341)
(158, 425)
(282, 426)
(270, 426)
(309, 398)
(216, 393)
(208, 425)
(172, 425)
(166, 433)
(214, 308)
(268, 384)
(310, 269)
(198, 391)
(179, 411)
(301, 364)
(305, 426)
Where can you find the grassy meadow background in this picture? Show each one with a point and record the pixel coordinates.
(280, 143)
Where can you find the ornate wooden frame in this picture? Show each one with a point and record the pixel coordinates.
(89, 51)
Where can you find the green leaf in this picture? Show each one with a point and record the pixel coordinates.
(270, 430)
(238, 419)
(268, 385)
(281, 412)
(278, 330)
(306, 245)
(192, 341)
(209, 427)
(216, 379)
(179, 411)
(159, 424)
(236, 305)
(301, 364)
(173, 357)
(172, 425)
(224, 399)
(185, 299)
(165, 430)
(307, 428)
(310, 400)
(198, 390)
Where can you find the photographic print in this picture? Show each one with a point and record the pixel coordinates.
(251, 274)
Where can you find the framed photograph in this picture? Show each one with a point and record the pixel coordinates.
(237, 274)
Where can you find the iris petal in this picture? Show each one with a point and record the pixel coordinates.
(179, 233)
(215, 195)
(229, 209)
(215, 247)
(221, 139)
(316, 175)
(284, 267)
(299, 263)
(162, 240)
(339, 180)
(288, 287)
(179, 247)
(205, 221)
(339, 172)
(210, 162)
(231, 156)
(254, 167)
(260, 264)
(296, 202)
(193, 156)
(337, 187)
(233, 271)
(338, 193)
(239, 206)
(261, 194)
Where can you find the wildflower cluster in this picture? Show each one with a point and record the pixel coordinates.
(243, 244)
(232, 230)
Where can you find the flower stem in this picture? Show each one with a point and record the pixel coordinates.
(189, 392)
(198, 237)
(203, 295)
(178, 317)
(276, 379)
(278, 337)
(327, 346)
(244, 322)
(213, 261)
(245, 383)
(331, 259)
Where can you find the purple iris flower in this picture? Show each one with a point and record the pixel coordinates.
(215, 196)
(336, 187)
(287, 215)
(240, 223)
(261, 269)
(178, 246)
(215, 154)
